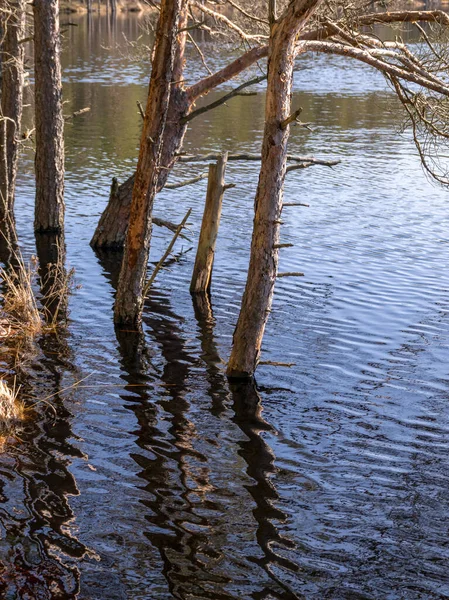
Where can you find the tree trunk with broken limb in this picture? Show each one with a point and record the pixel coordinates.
(11, 101)
(129, 300)
(111, 230)
(258, 295)
(49, 161)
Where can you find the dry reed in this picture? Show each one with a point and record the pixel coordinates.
(11, 409)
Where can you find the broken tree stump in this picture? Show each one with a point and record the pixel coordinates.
(202, 271)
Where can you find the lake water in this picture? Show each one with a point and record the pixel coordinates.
(156, 479)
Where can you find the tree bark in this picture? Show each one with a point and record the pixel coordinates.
(258, 295)
(111, 230)
(11, 102)
(49, 161)
(129, 300)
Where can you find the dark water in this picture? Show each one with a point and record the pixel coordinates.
(155, 479)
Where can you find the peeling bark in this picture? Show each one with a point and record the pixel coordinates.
(49, 161)
(258, 295)
(129, 300)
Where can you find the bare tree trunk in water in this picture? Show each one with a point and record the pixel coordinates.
(11, 102)
(113, 6)
(89, 6)
(258, 295)
(49, 162)
(129, 301)
(111, 230)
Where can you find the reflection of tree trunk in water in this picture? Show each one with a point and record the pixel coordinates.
(218, 389)
(260, 460)
(8, 242)
(256, 452)
(174, 479)
(41, 482)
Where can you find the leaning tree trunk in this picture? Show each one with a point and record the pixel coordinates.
(111, 230)
(49, 162)
(129, 300)
(258, 295)
(11, 101)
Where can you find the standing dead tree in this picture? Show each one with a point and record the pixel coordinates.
(262, 271)
(111, 229)
(49, 161)
(12, 17)
(305, 26)
(129, 298)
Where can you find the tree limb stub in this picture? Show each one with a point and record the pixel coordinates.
(291, 119)
(175, 186)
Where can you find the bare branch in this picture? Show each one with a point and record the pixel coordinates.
(223, 99)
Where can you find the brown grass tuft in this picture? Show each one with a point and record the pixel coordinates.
(11, 409)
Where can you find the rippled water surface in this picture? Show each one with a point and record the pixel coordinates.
(155, 478)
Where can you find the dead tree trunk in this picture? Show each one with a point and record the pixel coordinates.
(113, 6)
(11, 101)
(111, 230)
(49, 161)
(257, 298)
(202, 271)
(129, 300)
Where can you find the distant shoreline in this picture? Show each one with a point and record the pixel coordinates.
(74, 6)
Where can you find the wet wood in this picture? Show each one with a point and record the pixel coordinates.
(202, 271)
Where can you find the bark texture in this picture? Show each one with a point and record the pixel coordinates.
(258, 295)
(49, 161)
(11, 101)
(129, 300)
(204, 262)
(111, 231)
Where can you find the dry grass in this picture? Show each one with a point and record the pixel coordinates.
(11, 409)
(20, 314)
(22, 319)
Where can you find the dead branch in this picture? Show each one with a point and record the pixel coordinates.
(175, 186)
(369, 58)
(223, 99)
(227, 22)
(166, 254)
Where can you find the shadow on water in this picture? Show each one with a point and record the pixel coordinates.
(191, 510)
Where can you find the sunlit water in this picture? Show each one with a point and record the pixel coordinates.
(155, 479)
